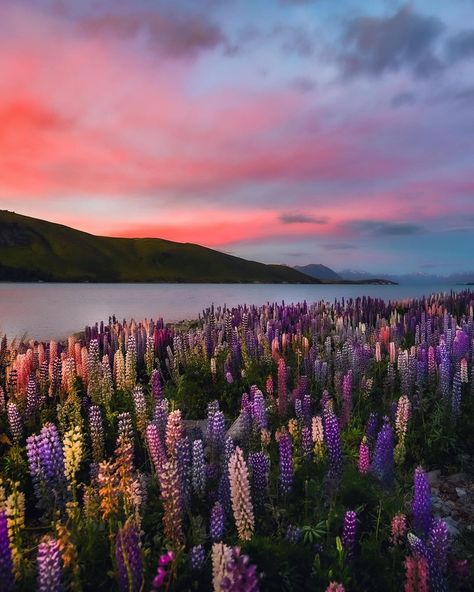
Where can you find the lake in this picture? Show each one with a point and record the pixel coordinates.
(53, 311)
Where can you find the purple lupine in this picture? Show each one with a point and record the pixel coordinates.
(156, 387)
(183, 462)
(383, 461)
(128, 558)
(216, 523)
(258, 411)
(160, 417)
(421, 505)
(139, 403)
(306, 442)
(197, 557)
(293, 534)
(259, 464)
(286, 463)
(216, 432)
(346, 399)
(439, 544)
(456, 396)
(125, 426)
(349, 531)
(155, 447)
(49, 566)
(31, 398)
(46, 466)
(282, 391)
(240, 575)
(332, 439)
(14, 421)
(96, 430)
(371, 428)
(198, 469)
(6, 563)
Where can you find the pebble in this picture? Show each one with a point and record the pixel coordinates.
(461, 492)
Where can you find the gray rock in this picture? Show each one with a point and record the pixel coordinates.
(453, 526)
(456, 477)
(433, 476)
(461, 492)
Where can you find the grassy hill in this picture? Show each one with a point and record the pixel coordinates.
(36, 250)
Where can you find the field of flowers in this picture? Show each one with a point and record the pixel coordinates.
(282, 447)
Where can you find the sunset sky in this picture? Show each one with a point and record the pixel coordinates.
(287, 131)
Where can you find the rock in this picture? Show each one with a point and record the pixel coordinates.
(456, 478)
(238, 429)
(433, 476)
(461, 492)
(453, 527)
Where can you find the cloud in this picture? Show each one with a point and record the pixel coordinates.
(404, 40)
(302, 219)
(460, 46)
(384, 228)
(339, 246)
(403, 98)
(295, 40)
(171, 34)
(303, 84)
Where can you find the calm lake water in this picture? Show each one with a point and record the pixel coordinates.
(53, 311)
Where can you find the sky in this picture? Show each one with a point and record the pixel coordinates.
(284, 131)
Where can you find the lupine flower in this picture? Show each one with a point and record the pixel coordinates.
(239, 574)
(155, 447)
(128, 558)
(349, 530)
(96, 433)
(172, 502)
(286, 463)
(364, 457)
(14, 421)
(174, 431)
(139, 404)
(216, 523)
(216, 432)
(401, 423)
(282, 391)
(383, 462)
(240, 495)
(221, 556)
(346, 398)
(398, 529)
(162, 572)
(317, 434)
(49, 566)
(197, 557)
(332, 439)
(416, 574)
(73, 452)
(437, 580)
(293, 534)
(421, 504)
(198, 469)
(125, 427)
(439, 544)
(259, 464)
(6, 562)
(306, 441)
(156, 386)
(259, 412)
(335, 587)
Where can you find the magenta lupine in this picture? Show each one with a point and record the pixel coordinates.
(332, 439)
(383, 461)
(364, 457)
(398, 529)
(421, 504)
(7, 579)
(437, 580)
(416, 574)
(335, 587)
(349, 532)
(49, 566)
(162, 573)
(240, 575)
(128, 558)
(15, 422)
(216, 523)
(286, 463)
(198, 469)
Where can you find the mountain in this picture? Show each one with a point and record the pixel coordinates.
(319, 271)
(36, 250)
(412, 278)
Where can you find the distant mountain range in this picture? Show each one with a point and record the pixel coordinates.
(411, 278)
(329, 276)
(36, 250)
